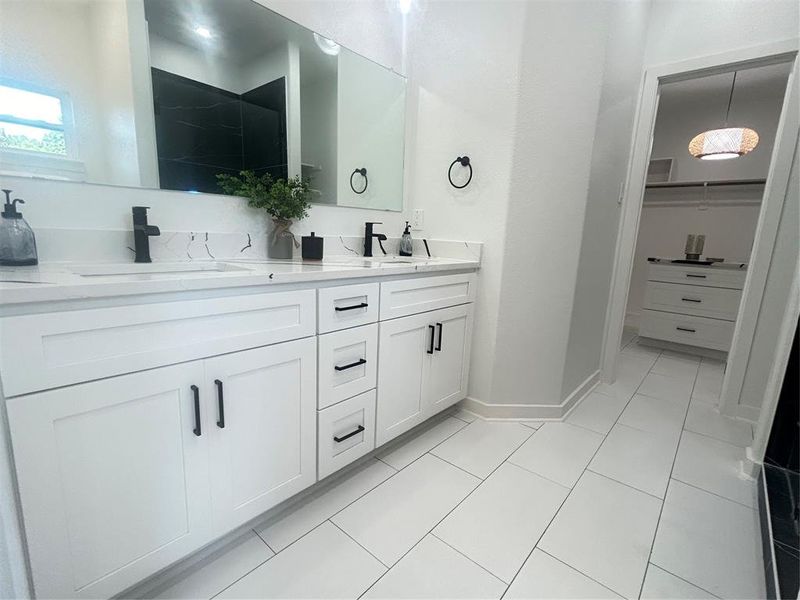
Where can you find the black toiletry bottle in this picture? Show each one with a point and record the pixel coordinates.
(406, 245)
(312, 247)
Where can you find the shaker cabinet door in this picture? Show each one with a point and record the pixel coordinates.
(113, 479)
(446, 382)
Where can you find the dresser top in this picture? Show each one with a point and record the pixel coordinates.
(668, 262)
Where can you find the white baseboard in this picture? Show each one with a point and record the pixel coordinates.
(531, 412)
(632, 319)
(748, 413)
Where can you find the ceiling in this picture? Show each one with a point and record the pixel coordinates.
(767, 79)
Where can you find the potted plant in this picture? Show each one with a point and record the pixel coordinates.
(285, 201)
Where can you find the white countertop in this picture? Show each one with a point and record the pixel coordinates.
(65, 281)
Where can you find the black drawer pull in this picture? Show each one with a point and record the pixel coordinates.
(696, 276)
(691, 300)
(221, 404)
(349, 435)
(354, 307)
(197, 429)
(686, 329)
(439, 341)
(360, 361)
(433, 333)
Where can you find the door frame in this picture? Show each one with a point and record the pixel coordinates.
(769, 217)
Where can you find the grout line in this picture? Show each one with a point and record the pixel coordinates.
(258, 535)
(581, 572)
(467, 557)
(628, 485)
(482, 479)
(511, 462)
(697, 487)
(681, 578)
(716, 439)
(359, 544)
(242, 577)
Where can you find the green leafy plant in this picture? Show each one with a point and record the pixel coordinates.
(284, 200)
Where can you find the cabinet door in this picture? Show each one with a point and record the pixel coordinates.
(446, 381)
(403, 355)
(265, 448)
(113, 479)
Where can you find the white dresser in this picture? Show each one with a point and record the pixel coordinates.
(692, 304)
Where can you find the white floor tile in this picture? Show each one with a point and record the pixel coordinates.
(465, 415)
(323, 564)
(713, 466)
(711, 542)
(628, 335)
(642, 350)
(558, 451)
(637, 458)
(654, 415)
(676, 366)
(532, 424)
(709, 381)
(597, 412)
(660, 585)
(218, 572)
(605, 529)
(481, 446)
(434, 570)
(397, 514)
(704, 418)
(299, 520)
(544, 577)
(633, 367)
(667, 388)
(619, 390)
(499, 523)
(401, 455)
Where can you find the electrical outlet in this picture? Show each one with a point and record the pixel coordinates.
(418, 222)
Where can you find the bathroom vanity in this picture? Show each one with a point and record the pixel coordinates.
(156, 408)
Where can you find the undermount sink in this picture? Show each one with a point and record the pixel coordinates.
(126, 269)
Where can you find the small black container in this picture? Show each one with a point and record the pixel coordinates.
(312, 247)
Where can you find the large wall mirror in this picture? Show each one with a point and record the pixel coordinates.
(167, 94)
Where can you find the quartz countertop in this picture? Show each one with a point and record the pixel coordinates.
(732, 266)
(71, 281)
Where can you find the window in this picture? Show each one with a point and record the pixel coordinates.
(31, 121)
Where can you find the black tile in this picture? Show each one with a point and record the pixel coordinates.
(788, 572)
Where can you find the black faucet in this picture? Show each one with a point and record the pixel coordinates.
(141, 234)
(368, 235)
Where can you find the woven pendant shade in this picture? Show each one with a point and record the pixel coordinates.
(719, 144)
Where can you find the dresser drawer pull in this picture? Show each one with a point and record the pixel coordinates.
(358, 430)
(693, 276)
(354, 307)
(686, 329)
(220, 404)
(691, 300)
(197, 430)
(360, 361)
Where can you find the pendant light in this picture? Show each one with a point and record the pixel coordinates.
(728, 142)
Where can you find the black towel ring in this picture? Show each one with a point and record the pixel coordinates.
(464, 162)
(363, 172)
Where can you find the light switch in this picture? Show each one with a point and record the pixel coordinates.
(418, 222)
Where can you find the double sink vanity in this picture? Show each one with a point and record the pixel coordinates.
(154, 408)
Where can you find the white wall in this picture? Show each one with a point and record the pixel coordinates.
(186, 61)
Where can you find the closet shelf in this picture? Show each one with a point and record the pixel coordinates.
(719, 183)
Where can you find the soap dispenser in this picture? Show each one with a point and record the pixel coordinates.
(17, 242)
(406, 245)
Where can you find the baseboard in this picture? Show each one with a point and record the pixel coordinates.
(632, 319)
(531, 412)
(748, 413)
(685, 348)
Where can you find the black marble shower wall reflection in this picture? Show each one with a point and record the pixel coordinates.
(202, 130)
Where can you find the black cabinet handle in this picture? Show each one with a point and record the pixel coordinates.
(686, 329)
(695, 276)
(360, 361)
(197, 430)
(354, 307)
(221, 404)
(439, 341)
(433, 333)
(349, 435)
(691, 300)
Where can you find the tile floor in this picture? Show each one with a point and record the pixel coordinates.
(636, 494)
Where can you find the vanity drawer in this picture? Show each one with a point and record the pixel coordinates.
(411, 296)
(347, 363)
(686, 329)
(346, 432)
(48, 350)
(717, 303)
(347, 306)
(689, 275)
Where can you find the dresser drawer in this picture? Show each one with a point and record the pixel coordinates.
(346, 432)
(48, 350)
(410, 296)
(347, 363)
(346, 306)
(685, 329)
(701, 301)
(687, 274)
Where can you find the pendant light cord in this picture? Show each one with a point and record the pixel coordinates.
(730, 99)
